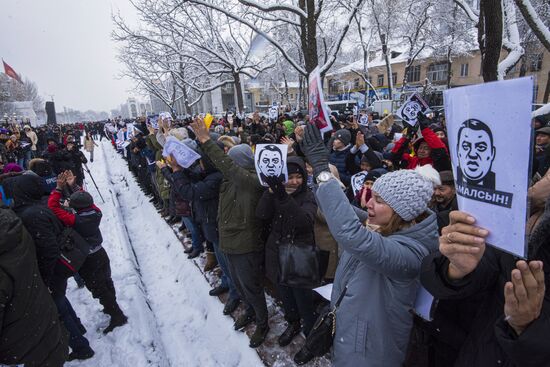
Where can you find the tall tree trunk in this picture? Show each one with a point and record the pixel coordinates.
(490, 37)
(449, 67)
(308, 36)
(239, 93)
(186, 101)
(386, 54)
(547, 90)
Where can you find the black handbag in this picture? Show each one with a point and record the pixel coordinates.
(299, 265)
(74, 249)
(320, 338)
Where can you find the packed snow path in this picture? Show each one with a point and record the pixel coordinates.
(172, 321)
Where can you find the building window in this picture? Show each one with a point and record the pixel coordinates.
(380, 80)
(535, 93)
(464, 69)
(536, 63)
(332, 86)
(437, 72)
(414, 74)
(394, 78)
(356, 84)
(370, 79)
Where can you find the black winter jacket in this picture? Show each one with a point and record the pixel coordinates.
(290, 219)
(39, 220)
(30, 330)
(202, 192)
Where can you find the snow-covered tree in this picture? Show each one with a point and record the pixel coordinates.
(319, 27)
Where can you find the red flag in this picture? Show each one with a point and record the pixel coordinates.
(11, 73)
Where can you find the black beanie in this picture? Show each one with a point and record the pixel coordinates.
(81, 200)
(294, 168)
(41, 167)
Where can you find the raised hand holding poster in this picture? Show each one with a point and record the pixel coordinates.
(270, 161)
(410, 109)
(318, 113)
(489, 130)
(357, 181)
(184, 155)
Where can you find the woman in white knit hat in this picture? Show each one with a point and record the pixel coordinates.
(380, 267)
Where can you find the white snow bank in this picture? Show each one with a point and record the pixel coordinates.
(172, 319)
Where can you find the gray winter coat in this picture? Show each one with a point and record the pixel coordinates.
(382, 274)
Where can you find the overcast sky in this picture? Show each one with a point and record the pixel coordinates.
(65, 47)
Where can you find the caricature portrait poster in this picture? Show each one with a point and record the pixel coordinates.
(409, 110)
(489, 130)
(270, 161)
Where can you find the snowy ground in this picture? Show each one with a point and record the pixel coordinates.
(172, 319)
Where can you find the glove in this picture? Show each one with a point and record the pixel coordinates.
(423, 121)
(276, 185)
(411, 132)
(315, 150)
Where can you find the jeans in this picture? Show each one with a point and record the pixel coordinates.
(210, 232)
(77, 341)
(298, 303)
(196, 235)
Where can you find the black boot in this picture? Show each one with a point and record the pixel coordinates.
(116, 321)
(291, 331)
(81, 354)
(259, 336)
(195, 253)
(231, 306)
(243, 321)
(218, 291)
(303, 356)
(173, 220)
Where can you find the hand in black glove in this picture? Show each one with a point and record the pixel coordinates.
(315, 150)
(411, 132)
(277, 187)
(423, 121)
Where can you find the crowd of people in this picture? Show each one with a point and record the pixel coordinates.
(377, 237)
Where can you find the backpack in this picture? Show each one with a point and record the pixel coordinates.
(74, 249)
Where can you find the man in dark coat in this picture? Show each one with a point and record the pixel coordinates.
(239, 229)
(30, 329)
(77, 159)
(45, 229)
(85, 220)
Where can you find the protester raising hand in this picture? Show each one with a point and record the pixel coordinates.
(359, 139)
(61, 180)
(200, 130)
(289, 143)
(315, 150)
(462, 243)
(276, 187)
(173, 163)
(70, 178)
(299, 132)
(524, 295)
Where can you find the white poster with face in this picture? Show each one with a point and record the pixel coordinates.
(489, 130)
(357, 181)
(274, 113)
(409, 110)
(270, 161)
(184, 155)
